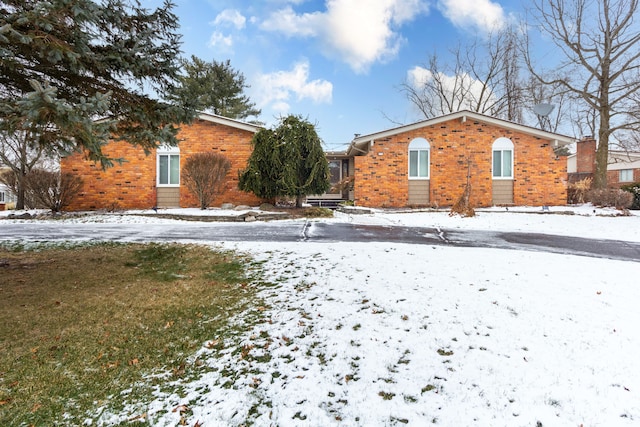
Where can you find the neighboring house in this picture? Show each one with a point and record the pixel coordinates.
(427, 164)
(145, 181)
(6, 195)
(623, 166)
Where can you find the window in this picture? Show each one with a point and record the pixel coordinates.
(502, 159)
(626, 175)
(2, 197)
(169, 167)
(419, 159)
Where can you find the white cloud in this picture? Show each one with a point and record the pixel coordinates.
(358, 32)
(275, 90)
(230, 17)
(286, 21)
(418, 76)
(481, 15)
(219, 40)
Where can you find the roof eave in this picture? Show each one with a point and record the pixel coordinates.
(229, 122)
(556, 139)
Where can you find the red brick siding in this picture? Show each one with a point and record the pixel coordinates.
(613, 178)
(128, 185)
(381, 177)
(132, 185)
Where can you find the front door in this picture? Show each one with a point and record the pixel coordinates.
(335, 176)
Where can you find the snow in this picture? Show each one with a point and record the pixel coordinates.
(359, 334)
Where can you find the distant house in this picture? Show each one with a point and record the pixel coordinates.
(427, 164)
(6, 195)
(154, 180)
(623, 166)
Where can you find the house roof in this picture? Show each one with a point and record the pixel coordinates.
(360, 144)
(229, 122)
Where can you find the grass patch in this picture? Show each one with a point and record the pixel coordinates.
(315, 212)
(85, 325)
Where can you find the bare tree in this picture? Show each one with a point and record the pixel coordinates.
(20, 153)
(204, 174)
(484, 78)
(601, 64)
(535, 93)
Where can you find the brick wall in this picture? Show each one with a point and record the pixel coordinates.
(381, 176)
(132, 185)
(613, 178)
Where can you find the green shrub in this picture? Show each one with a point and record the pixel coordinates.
(634, 189)
(610, 197)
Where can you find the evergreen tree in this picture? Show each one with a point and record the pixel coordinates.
(65, 64)
(216, 87)
(287, 161)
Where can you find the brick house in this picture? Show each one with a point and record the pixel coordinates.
(145, 181)
(623, 167)
(427, 163)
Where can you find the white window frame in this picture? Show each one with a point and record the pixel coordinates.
(419, 145)
(169, 152)
(625, 175)
(502, 145)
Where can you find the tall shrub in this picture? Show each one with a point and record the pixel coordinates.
(53, 190)
(287, 161)
(204, 175)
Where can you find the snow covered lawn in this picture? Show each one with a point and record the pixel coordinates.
(393, 334)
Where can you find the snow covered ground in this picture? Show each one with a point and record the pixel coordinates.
(378, 334)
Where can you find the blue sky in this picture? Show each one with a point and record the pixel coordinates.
(338, 63)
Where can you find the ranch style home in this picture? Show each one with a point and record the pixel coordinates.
(145, 181)
(426, 163)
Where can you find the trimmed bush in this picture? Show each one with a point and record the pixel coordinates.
(610, 197)
(634, 189)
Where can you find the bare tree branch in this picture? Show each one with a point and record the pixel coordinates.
(601, 61)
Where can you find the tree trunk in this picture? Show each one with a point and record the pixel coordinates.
(299, 200)
(602, 154)
(20, 181)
